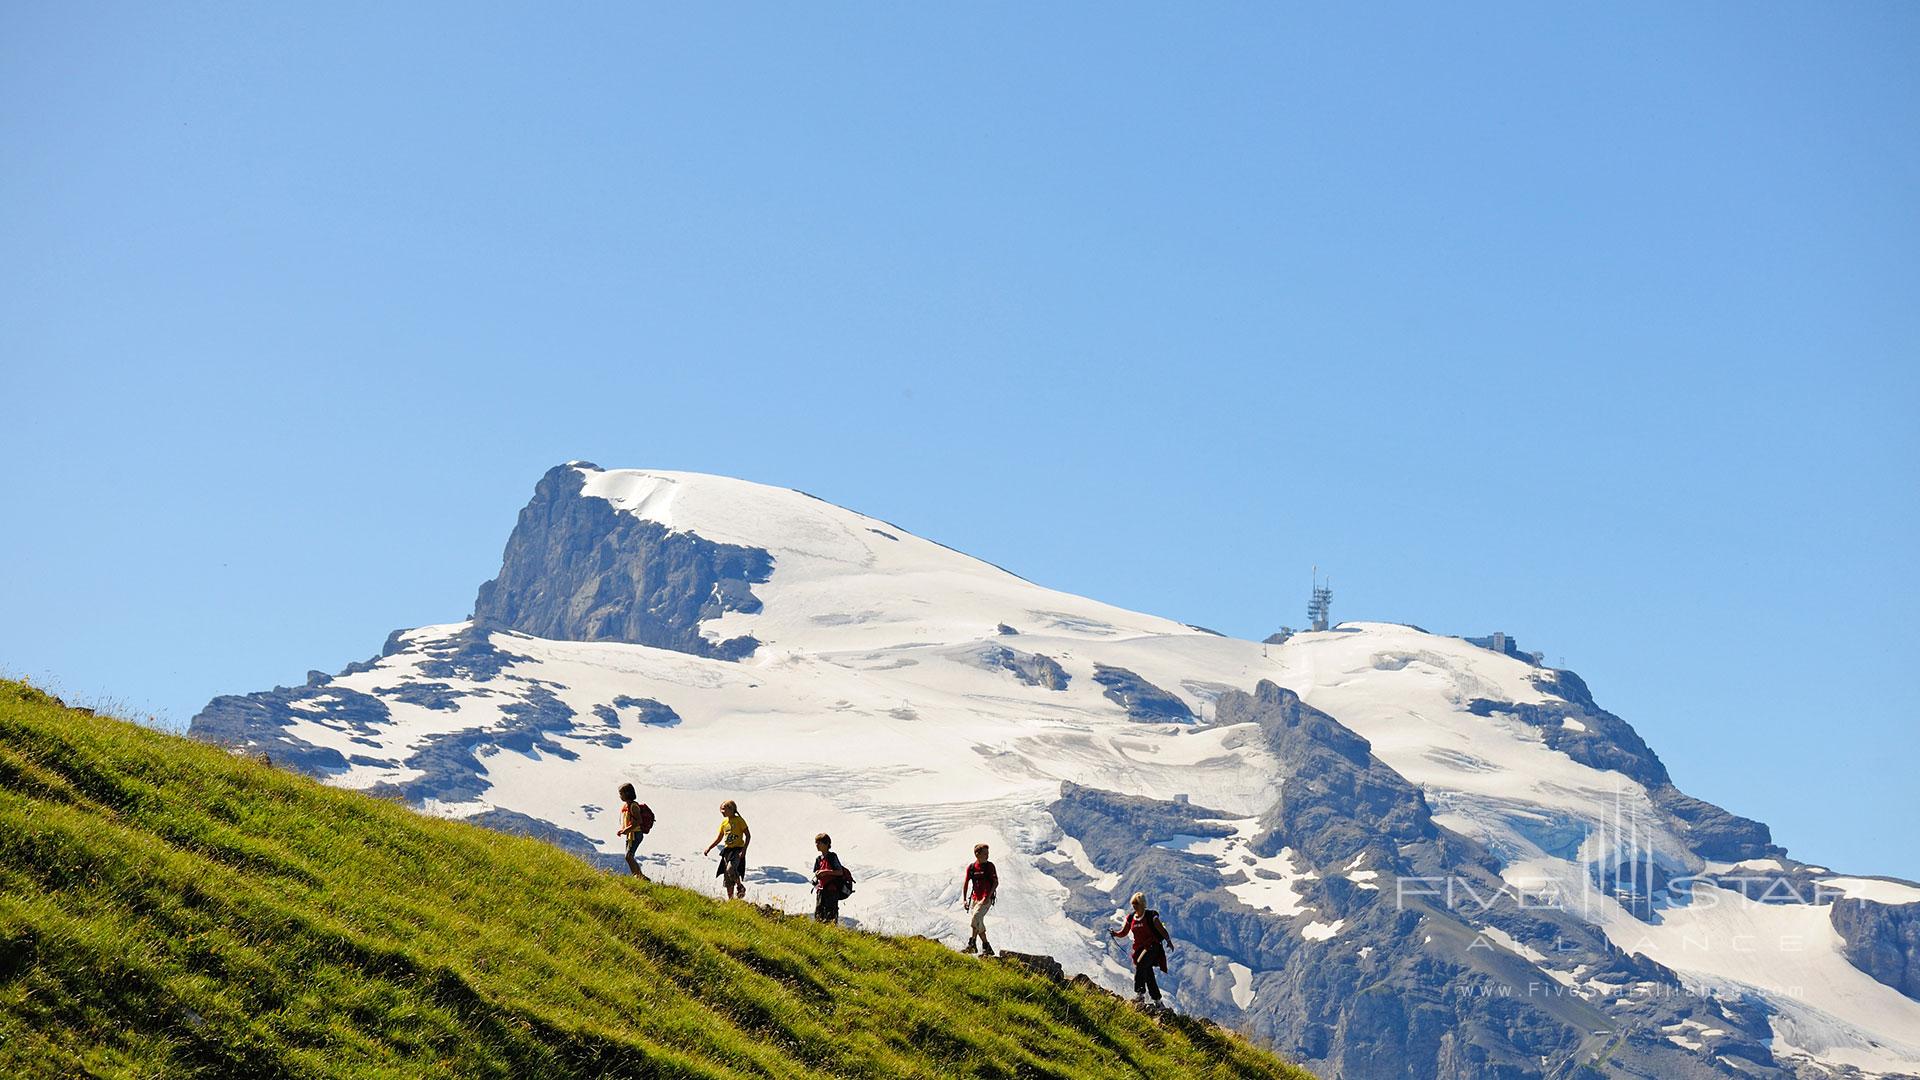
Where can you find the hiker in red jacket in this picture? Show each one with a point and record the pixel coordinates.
(832, 881)
(978, 891)
(1150, 941)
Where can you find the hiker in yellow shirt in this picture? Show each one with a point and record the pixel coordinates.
(732, 839)
(636, 821)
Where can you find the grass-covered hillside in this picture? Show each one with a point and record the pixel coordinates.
(168, 909)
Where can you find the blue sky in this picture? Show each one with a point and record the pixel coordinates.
(1598, 327)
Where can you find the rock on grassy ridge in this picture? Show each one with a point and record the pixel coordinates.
(168, 908)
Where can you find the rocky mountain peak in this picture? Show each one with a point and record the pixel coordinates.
(578, 569)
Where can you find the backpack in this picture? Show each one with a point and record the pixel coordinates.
(843, 877)
(1159, 928)
(646, 819)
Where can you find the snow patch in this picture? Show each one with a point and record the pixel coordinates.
(1319, 931)
(1745, 864)
(1070, 850)
(1880, 892)
(1510, 943)
(1271, 884)
(1242, 984)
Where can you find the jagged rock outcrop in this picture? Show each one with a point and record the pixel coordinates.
(1033, 669)
(1336, 798)
(1044, 966)
(1882, 940)
(1141, 699)
(577, 569)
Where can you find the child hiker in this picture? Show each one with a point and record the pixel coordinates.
(1150, 941)
(733, 838)
(636, 821)
(978, 892)
(832, 882)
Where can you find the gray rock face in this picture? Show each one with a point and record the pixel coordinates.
(640, 710)
(1033, 669)
(1141, 699)
(258, 723)
(1714, 833)
(1336, 797)
(427, 695)
(576, 569)
(1883, 940)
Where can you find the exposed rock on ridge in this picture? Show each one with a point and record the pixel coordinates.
(1142, 700)
(1605, 741)
(1882, 940)
(577, 569)
(1034, 669)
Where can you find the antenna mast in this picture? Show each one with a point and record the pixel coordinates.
(1320, 608)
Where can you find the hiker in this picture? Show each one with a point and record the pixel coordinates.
(832, 882)
(1150, 941)
(733, 838)
(636, 821)
(978, 891)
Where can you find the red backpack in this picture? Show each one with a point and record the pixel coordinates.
(843, 877)
(646, 818)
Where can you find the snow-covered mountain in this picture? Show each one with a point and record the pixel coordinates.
(1392, 853)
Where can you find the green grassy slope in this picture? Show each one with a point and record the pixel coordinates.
(168, 909)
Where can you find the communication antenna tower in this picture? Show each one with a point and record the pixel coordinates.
(1321, 606)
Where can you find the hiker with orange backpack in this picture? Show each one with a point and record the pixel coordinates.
(636, 821)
